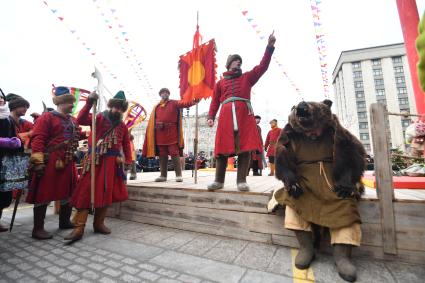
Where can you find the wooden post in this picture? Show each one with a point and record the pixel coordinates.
(196, 144)
(383, 175)
(93, 156)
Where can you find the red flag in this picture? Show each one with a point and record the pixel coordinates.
(197, 72)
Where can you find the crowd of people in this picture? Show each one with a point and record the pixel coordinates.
(319, 162)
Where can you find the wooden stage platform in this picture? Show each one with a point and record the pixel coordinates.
(243, 215)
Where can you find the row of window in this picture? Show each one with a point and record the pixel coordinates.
(376, 62)
(381, 92)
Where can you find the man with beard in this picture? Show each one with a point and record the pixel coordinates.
(164, 134)
(54, 173)
(18, 108)
(112, 155)
(321, 164)
(236, 130)
(270, 144)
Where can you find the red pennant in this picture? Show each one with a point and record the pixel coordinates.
(60, 18)
(244, 13)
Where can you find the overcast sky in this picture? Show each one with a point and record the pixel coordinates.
(38, 50)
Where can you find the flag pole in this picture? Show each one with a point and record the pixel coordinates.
(195, 142)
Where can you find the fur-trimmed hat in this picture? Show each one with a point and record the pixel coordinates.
(307, 116)
(16, 101)
(164, 89)
(118, 101)
(62, 95)
(232, 58)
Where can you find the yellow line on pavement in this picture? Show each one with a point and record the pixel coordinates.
(19, 208)
(301, 276)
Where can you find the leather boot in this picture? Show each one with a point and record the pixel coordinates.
(163, 166)
(64, 215)
(99, 221)
(80, 220)
(271, 169)
(2, 228)
(177, 168)
(243, 167)
(220, 173)
(38, 231)
(345, 267)
(306, 252)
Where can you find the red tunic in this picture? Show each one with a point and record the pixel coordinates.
(166, 122)
(52, 129)
(257, 155)
(24, 131)
(110, 177)
(271, 139)
(247, 130)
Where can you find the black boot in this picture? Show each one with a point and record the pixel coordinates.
(163, 166)
(345, 267)
(220, 173)
(177, 168)
(243, 166)
(64, 216)
(38, 231)
(306, 252)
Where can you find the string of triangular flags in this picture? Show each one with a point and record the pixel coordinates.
(121, 36)
(84, 43)
(320, 41)
(261, 34)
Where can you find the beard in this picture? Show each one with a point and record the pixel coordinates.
(115, 116)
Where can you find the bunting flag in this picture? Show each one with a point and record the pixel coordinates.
(135, 114)
(198, 70)
(113, 24)
(263, 36)
(320, 42)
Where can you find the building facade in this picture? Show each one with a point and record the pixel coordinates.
(376, 74)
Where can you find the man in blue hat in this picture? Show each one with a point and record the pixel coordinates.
(54, 142)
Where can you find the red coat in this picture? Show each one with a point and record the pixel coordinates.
(169, 116)
(110, 177)
(52, 129)
(247, 130)
(271, 139)
(257, 155)
(24, 131)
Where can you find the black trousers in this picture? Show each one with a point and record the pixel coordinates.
(5, 199)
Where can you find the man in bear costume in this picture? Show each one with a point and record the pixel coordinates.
(321, 164)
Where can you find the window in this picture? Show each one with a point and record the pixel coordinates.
(376, 62)
(403, 101)
(363, 125)
(380, 92)
(379, 82)
(362, 115)
(377, 72)
(357, 74)
(397, 60)
(358, 84)
(401, 90)
(364, 137)
(361, 104)
(398, 70)
(405, 123)
(400, 80)
(355, 65)
(359, 94)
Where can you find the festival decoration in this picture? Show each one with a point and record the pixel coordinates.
(262, 35)
(135, 114)
(320, 41)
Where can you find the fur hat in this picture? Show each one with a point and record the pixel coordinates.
(62, 95)
(257, 117)
(16, 101)
(307, 116)
(232, 58)
(164, 89)
(118, 101)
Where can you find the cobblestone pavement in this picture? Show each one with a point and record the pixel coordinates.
(137, 252)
